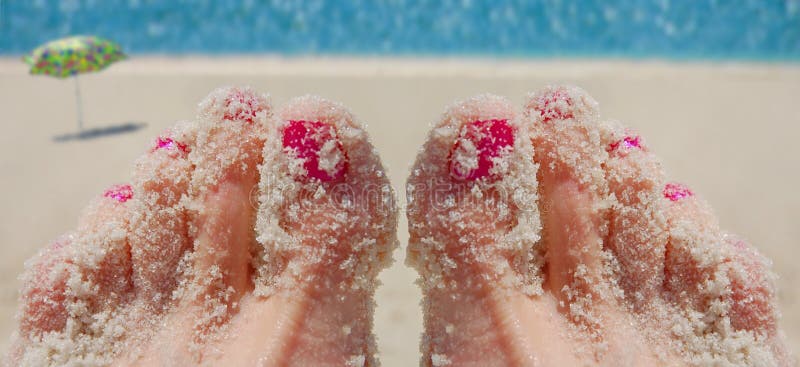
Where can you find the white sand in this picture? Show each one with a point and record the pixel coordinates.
(730, 131)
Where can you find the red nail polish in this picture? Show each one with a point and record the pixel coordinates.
(556, 105)
(242, 105)
(121, 193)
(478, 144)
(316, 144)
(170, 144)
(675, 192)
(627, 143)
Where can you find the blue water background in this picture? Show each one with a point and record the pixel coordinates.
(705, 29)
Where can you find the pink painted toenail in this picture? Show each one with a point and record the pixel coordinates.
(555, 106)
(242, 106)
(121, 193)
(675, 192)
(318, 147)
(628, 142)
(740, 245)
(472, 157)
(60, 243)
(169, 143)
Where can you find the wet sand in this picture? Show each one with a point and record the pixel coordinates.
(730, 131)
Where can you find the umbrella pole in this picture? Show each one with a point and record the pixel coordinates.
(78, 100)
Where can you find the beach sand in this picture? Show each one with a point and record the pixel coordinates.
(730, 131)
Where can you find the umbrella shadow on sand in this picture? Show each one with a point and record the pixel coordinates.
(100, 132)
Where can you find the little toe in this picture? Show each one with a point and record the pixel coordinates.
(44, 288)
(72, 291)
(752, 298)
(722, 289)
(752, 288)
(705, 266)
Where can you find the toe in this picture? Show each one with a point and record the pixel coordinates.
(472, 198)
(44, 289)
(568, 147)
(221, 212)
(722, 288)
(101, 246)
(326, 202)
(159, 237)
(326, 227)
(73, 287)
(474, 225)
(752, 288)
(637, 236)
(714, 272)
(693, 250)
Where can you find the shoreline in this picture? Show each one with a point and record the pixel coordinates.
(413, 66)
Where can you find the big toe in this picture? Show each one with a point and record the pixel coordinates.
(472, 197)
(326, 201)
(474, 224)
(326, 227)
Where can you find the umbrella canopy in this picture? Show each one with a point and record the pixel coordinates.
(72, 55)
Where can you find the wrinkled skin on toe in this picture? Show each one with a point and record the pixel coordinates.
(570, 247)
(227, 248)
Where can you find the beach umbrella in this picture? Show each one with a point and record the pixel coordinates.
(68, 57)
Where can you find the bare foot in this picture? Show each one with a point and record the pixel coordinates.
(552, 238)
(246, 237)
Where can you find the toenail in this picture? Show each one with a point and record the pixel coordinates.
(121, 193)
(170, 144)
(318, 147)
(480, 142)
(242, 106)
(555, 106)
(675, 192)
(60, 243)
(625, 144)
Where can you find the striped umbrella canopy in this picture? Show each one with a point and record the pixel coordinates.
(73, 55)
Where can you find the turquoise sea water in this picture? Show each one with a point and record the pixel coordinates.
(757, 29)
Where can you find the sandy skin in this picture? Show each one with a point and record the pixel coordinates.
(218, 316)
(238, 243)
(570, 247)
